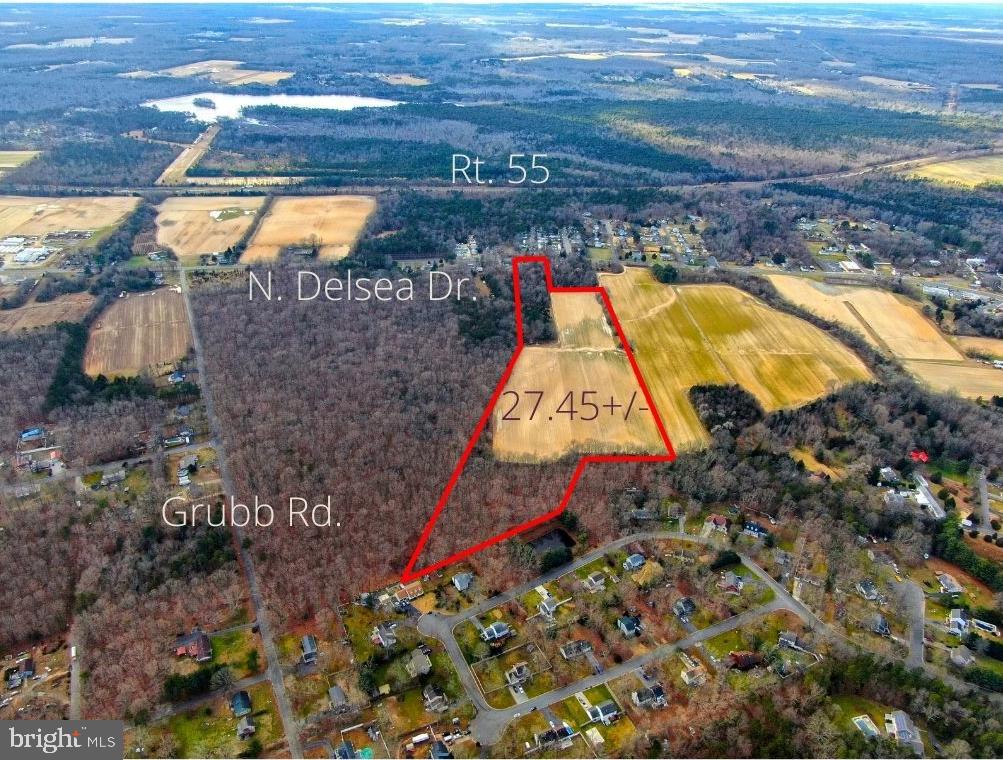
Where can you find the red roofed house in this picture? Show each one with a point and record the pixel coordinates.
(718, 523)
(918, 455)
(195, 645)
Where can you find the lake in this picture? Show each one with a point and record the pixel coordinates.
(230, 105)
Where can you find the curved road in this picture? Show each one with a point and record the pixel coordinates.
(491, 722)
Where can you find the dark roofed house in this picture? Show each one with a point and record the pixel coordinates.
(605, 713)
(867, 589)
(518, 674)
(633, 562)
(575, 649)
(345, 751)
(240, 703)
(462, 581)
(789, 639)
(28, 668)
(339, 701)
(731, 582)
(651, 697)
(548, 607)
(684, 607)
(496, 632)
(744, 660)
(195, 645)
(554, 737)
(440, 751)
(629, 625)
(245, 727)
(595, 582)
(880, 626)
(309, 647)
(755, 530)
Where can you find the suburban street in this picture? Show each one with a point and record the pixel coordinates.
(274, 668)
(490, 722)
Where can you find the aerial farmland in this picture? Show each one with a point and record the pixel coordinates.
(200, 225)
(333, 223)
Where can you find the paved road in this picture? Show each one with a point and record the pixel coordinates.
(491, 722)
(915, 602)
(71, 642)
(274, 669)
(985, 517)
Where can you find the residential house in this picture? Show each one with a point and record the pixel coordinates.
(595, 582)
(548, 607)
(462, 581)
(195, 645)
(650, 697)
(695, 675)
(755, 530)
(558, 737)
(949, 584)
(962, 657)
(867, 589)
(418, 664)
(633, 562)
(889, 476)
(27, 668)
(789, 640)
(434, 699)
(901, 728)
(684, 607)
(496, 632)
(518, 674)
(245, 727)
(439, 750)
(240, 703)
(345, 751)
(629, 625)
(575, 649)
(957, 622)
(384, 635)
(717, 523)
(605, 713)
(408, 593)
(731, 582)
(879, 625)
(339, 701)
(308, 645)
(744, 660)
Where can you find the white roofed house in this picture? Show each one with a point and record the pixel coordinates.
(901, 728)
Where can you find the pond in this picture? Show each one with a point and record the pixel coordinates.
(209, 107)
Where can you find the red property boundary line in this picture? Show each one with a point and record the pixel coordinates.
(410, 574)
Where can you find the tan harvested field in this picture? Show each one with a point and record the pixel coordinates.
(68, 308)
(897, 326)
(177, 171)
(187, 226)
(968, 172)
(987, 346)
(40, 216)
(140, 331)
(968, 379)
(699, 334)
(11, 159)
(332, 221)
(581, 322)
(887, 320)
(586, 357)
(407, 80)
(218, 71)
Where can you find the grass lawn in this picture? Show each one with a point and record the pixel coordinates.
(617, 735)
(569, 710)
(599, 254)
(212, 731)
(359, 623)
(852, 705)
(234, 649)
(721, 645)
(599, 694)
